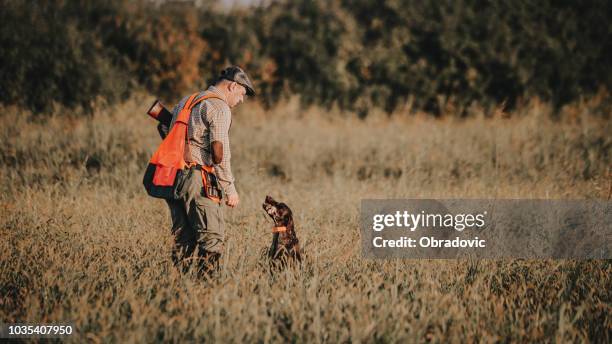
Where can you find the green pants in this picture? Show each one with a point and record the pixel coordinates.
(198, 226)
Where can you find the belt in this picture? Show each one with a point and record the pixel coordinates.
(197, 167)
(210, 182)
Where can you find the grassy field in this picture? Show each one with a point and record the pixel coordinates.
(82, 243)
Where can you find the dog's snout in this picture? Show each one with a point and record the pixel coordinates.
(269, 199)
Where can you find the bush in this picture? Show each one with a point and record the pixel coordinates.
(50, 60)
(161, 49)
(438, 56)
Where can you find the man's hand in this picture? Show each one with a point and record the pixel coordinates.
(232, 200)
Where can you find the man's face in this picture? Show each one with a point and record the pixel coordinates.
(236, 93)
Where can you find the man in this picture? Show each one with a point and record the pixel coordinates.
(198, 223)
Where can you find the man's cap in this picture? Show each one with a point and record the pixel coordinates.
(236, 74)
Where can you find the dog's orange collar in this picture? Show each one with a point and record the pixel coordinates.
(279, 229)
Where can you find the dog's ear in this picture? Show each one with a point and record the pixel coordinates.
(289, 213)
(286, 214)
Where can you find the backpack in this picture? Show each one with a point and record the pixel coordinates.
(167, 169)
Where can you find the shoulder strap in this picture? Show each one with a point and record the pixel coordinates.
(204, 97)
(191, 102)
(183, 116)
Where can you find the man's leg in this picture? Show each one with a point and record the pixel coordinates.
(185, 237)
(210, 243)
(205, 216)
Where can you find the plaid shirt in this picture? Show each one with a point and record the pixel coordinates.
(210, 121)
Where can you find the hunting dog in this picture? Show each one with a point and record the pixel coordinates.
(285, 248)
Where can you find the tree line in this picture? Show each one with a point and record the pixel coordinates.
(357, 55)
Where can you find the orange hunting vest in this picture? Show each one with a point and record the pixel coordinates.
(169, 156)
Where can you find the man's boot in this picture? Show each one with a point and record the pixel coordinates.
(208, 264)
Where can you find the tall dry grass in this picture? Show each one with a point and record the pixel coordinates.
(82, 243)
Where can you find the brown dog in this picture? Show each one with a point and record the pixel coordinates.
(285, 246)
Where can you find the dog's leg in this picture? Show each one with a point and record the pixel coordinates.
(296, 253)
(274, 246)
